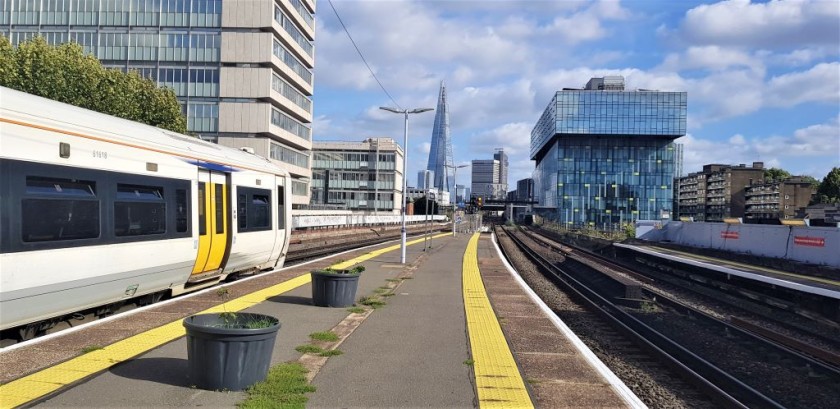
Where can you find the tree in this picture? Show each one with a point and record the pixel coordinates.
(65, 73)
(829, 189)
(775, 174)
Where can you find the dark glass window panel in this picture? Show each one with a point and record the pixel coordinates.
(59, 219)
(139, 218)
(220, 209)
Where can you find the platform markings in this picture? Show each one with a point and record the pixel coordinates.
(747, 268)
(39, 384)
(497, 378)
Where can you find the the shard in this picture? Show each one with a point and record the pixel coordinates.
(440, 155)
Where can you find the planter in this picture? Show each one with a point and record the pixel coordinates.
(225, 354)
(332, 288)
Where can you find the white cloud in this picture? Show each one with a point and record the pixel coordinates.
(711, 57)
(773, 24)
(821, 83)
(811, 150)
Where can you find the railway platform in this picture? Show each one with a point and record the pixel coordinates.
(458, 329)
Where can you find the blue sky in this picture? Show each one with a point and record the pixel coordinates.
(763, 78)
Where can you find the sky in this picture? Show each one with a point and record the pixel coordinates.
(763, 78)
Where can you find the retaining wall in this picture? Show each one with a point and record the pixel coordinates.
(816, 245)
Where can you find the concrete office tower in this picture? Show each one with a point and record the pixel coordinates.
(607, 156)
(440, 154)
(503, 168)
(364, 175)
(425, 179)
(485, 179)
(242, 69)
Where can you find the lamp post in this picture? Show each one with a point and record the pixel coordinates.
(455, 182)
(405, 162)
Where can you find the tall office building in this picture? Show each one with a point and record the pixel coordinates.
(242, 69)
(605, 155)
(485, 179)
(425, 179)
(503, 167)
(440, 154)
(717, 192)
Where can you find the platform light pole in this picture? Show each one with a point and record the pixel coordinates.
(405, 162)
(455, 182)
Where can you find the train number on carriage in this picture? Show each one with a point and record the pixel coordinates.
(100, 154)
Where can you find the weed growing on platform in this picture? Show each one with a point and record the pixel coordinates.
(309, 349)
(331, 352)
(469, 362)
(388, 294)
(356, 310)
(91, 348)
(381, 290)
(324, 336)
(393, 280)
(372, 302)
(284, 387)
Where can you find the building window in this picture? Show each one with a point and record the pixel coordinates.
(290, 156)
(202, 117)
(286, 122)
(292, 62)
(300, 188)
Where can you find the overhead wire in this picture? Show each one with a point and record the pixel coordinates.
(362, 56)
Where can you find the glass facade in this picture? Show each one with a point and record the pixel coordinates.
(606, 157)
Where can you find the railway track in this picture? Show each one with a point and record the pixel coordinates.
(779, 374)
(741, 313)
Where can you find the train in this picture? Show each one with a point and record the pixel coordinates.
(98, 211)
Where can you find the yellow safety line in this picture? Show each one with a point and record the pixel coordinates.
(497, 377)
(747, 267)
(49, 380)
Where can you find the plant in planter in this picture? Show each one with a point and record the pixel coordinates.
(229, 351)
(335, 288)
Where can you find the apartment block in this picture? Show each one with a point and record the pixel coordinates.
(717, 192)
(778, 200)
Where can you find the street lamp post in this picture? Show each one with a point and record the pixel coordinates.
(455, 182)
(405, 162)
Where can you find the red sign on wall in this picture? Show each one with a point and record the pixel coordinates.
(809, 241)
(729, 235)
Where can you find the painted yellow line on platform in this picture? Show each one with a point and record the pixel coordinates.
(746, 267)
(497, 377)
(44, 382)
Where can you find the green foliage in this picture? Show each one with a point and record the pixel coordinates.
(331, 352)
(829, 189)
(356, 310)
(308, 349)
(775, 174)
(284, 387)
(373, 302)
(469, 362)
(324, 336)
(65, 73)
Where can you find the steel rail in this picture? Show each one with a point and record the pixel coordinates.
(719, 385)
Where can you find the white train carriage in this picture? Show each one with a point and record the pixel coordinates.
(97, 210)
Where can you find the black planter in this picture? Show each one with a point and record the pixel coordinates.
(333, 289)
(224, 354)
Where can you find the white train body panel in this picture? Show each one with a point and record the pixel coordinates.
(44, 275)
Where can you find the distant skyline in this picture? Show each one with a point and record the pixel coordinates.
(763, 79)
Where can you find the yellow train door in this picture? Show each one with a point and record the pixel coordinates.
(213, 230)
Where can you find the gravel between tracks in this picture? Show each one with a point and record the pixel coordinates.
(652, 385)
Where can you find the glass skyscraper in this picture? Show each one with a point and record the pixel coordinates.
(606, 156)
(242, 69)
(440, 154)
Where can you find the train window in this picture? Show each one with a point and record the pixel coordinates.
(63, 187)
(139, 210)
(281, 214)
(220, 209)
(182, 223)
(202, 209)
(260, 217)
(254, 209)
(69, 210)
(242, 204)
